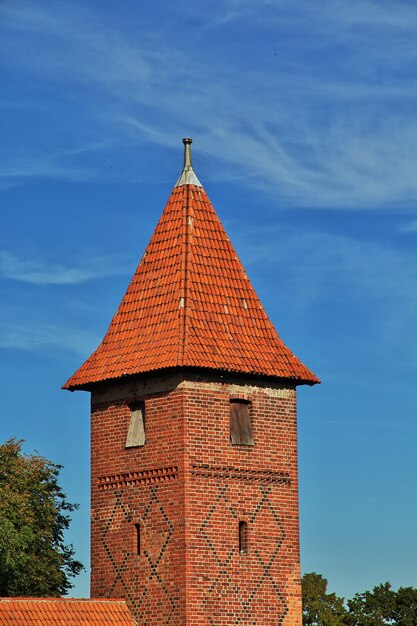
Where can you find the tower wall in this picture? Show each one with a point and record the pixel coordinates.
(229, 484)
(140, 485)
(188, 487)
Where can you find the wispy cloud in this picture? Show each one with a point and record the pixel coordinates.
(45, 336)
(398, 16)
(40, 272)
(306, 132)
(377, 269)
(377, 281)
(409, 227)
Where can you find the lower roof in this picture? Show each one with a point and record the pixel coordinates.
(65, 612)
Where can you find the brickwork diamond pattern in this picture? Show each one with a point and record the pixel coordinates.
(266, 562)
(120, 568)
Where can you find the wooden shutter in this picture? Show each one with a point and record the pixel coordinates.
(240, 426)
(136, 432)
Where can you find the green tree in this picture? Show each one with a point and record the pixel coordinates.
(372, 608)
(319, 607)
(405, 611)
(382, 606)
(34, 513)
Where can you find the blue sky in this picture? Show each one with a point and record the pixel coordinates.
(305, 138)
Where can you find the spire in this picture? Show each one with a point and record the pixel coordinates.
(190, 304)
(188, 176)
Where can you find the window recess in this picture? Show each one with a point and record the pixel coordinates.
(240, 423)
(243, 537)
(137, 546)
(136, 433)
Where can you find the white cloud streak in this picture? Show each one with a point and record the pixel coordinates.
(379, 270)
(409, 227)
(304, 132)
(40, 272)
(45, 336)
(378, 282)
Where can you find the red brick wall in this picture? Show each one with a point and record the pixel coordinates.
(138, 485)
(190, 570)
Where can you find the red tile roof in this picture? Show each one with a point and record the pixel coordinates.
(190, 304)
(64, 612)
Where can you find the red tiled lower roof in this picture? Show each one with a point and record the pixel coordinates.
(64, 612)
(190, 304)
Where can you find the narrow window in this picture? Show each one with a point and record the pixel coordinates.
(243, 537)
(137, 539)
(136, 433)
(240, 425)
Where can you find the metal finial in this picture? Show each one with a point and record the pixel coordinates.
(188, 164)
(188, 176)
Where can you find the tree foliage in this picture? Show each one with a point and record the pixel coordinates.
(372, 608)
(380, 607)
(319, 607)
(383, 607)
(34, 513)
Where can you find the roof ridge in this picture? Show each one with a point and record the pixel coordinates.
(184, 299)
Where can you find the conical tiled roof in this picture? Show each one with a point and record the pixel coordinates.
(190, 304)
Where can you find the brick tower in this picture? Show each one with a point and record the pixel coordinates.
(194, 506)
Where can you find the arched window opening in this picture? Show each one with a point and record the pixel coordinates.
(137, 538)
